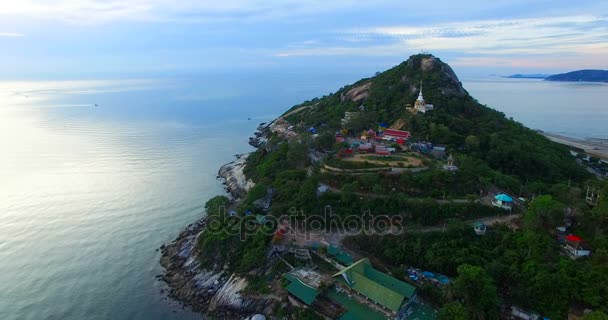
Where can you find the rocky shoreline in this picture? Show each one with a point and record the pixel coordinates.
(215, 293)
(234, 177)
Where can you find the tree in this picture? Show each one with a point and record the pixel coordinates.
(453, 311)
(296, 154)
(543, 210)
(596, 315)
(472, 143)
(216, 205)
(325, 140)
(600, 212)
(477, 291)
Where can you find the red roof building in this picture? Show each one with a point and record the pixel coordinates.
(396, 134)
(382, 150)
(576, 247)
(573, 238)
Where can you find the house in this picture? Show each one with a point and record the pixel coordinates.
(422, 147)
(503, 201)
(576, 247)
(390, 134)
(385, 291)
(322, 189)
(382, 150)
(519, 313)
(480, 228)
(365, 147)
(438, 152)
(300, 290)
(339, 139)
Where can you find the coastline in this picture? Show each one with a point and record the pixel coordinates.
(592, 147)
(211, 292)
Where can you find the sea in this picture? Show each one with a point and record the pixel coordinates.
(96, 174)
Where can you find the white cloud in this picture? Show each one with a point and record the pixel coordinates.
(104, 11)
(11, 34)
(573, 36)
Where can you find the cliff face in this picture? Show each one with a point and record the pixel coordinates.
(428, 65)
(581, 75)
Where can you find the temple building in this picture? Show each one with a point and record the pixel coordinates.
(367, 284)
(420, 105)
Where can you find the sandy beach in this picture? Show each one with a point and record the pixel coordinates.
(593, 147)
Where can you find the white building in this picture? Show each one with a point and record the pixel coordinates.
(420, 105)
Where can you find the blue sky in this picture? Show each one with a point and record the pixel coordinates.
(105, 37)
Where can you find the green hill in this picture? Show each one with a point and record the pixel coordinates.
(458, 120)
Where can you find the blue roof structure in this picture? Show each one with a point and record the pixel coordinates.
(503, 197)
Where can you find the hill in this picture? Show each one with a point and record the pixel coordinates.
(581, 75)
(313, 171)
(458, 120)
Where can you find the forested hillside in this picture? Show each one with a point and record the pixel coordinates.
(458, 120)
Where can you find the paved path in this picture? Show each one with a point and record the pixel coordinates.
(487, 221)
(384, 196)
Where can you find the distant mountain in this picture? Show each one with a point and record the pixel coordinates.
(528, 76)
(581, 75)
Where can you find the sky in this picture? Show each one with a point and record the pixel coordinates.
(80, 38)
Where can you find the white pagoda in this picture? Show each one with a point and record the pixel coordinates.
(420, 105)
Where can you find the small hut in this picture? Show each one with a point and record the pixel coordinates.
(503, 201)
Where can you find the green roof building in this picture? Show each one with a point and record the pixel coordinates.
(379, 287)
(301, 290)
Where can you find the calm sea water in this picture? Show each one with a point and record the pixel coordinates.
(575, 109)
(90, 192)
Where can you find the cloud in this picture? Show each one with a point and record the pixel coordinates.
(580, 34)
(11, 34)
(188, 11)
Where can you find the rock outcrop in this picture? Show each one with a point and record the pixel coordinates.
(234, 177)
(429, 63)
(357, 94)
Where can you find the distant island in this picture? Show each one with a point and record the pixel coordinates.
(528, 76)
(581, 75)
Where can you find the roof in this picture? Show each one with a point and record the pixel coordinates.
(397, 133)
(355, 309)
(300, 290)
(573, 238)
(331, 250)
(503, 197)
(377, 286)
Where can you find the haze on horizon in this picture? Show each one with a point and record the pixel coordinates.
(88, 38)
